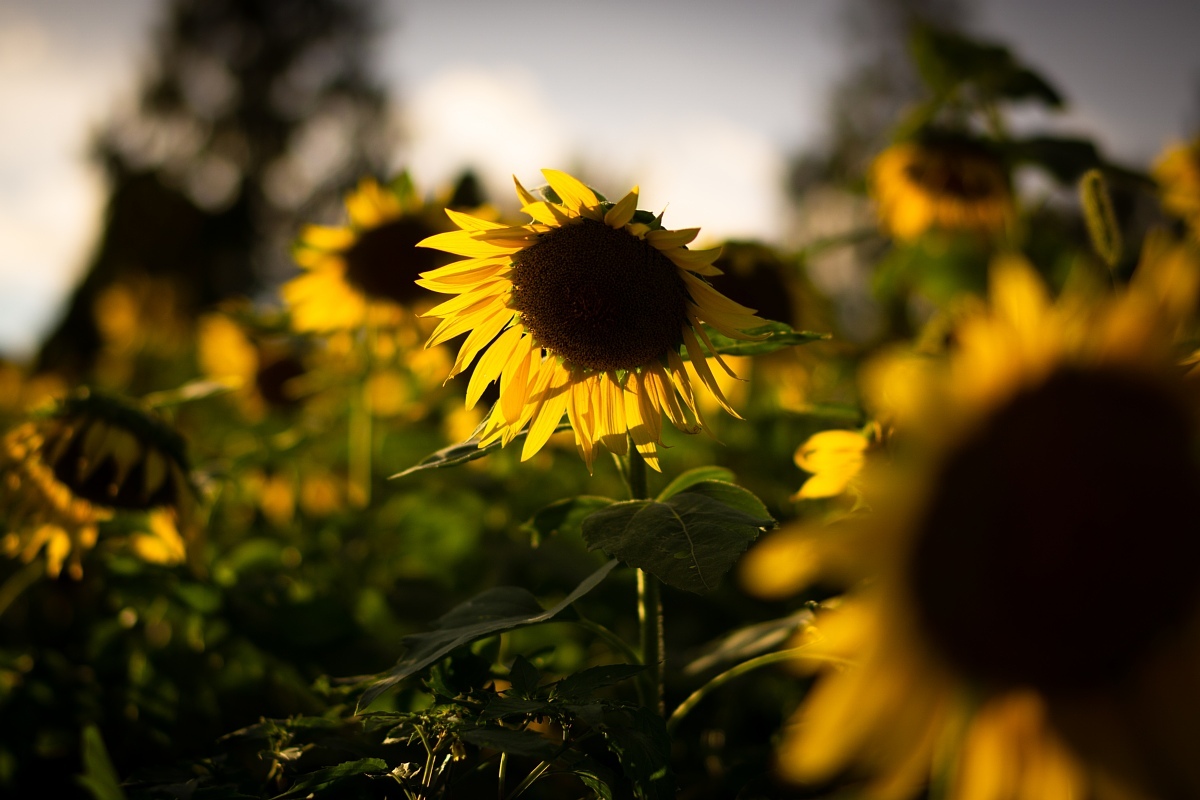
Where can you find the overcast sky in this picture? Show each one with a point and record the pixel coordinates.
(690, 99)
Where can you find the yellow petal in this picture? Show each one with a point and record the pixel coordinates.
(619, 215)
(574, 193)
(492, 363)
(466, 243)
(666, 240)
(551, 407)
(469, 223)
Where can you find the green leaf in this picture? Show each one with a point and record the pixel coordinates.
(563, 517)
(1066, 159)
(517, 743)
(776, 336)
(688, 541)
(330, 776)
(735, 497)
(692, 477)
(99, 776)
(524, 677)
(1100, 218)
(748, 642)
(947, 59)
(497, 610)
(638, 737)
(582, 685)
(463, 452)
(500, 706)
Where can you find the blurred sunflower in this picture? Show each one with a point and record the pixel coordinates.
(364, 271)
(1177, 172)
(582, 311)
(262, 371)
(941, 183)
(68, 471)
(1025, 614)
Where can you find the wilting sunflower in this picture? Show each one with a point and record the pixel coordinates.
(1177, 171)
(66, 472)
(942, 183)
(363, 272)
(1024, 621)
(586, 311)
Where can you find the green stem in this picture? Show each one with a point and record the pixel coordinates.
(741, 669)
(650, 614)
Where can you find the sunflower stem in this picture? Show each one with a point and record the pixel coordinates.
(650, 613)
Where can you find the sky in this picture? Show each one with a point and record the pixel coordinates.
(690, 99)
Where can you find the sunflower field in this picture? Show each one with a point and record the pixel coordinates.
(552, 496)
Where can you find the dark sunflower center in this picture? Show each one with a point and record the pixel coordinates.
(957, 173)
(1061, 539)
(599, 297)
(384, 262)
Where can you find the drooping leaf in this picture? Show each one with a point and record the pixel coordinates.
(497, 610)
(99, 776)
(1101, 220)
(688, 541)
(776, 336)
(463, 452)
(745, 643)
(312, 782)
(564, 517)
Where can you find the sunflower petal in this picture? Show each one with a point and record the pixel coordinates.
(667, 240)
(551, 407)
(469, 223)
(574, 193)
(492, 362)
(514, 380)
(465, 243)
(700, 364)
(622, 213)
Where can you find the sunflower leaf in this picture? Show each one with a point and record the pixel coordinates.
(692, 477)
(689, 541)
(500, 609)
(776, 336)
(463, 452)
(563, 517)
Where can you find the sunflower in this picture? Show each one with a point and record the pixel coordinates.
(586, 311)
(1024, 617)
(263, 371)
(363, 272)
(1177, 172)
(66, 472)
(942, 183)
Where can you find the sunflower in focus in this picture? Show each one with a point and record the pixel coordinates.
(67, 472)
(362, 272)
(1177, 172)
(1024, 617)
(586, 311)
(941, 183)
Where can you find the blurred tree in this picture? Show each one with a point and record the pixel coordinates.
(255, 113)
